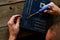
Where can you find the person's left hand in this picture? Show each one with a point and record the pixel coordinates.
(13, 27)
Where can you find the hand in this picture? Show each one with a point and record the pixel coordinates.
(55, 10)
(13, 27)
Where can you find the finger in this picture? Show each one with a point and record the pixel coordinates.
(11, 21)
(50, 11)
(18, 21)
(51, 4)
(46, 11)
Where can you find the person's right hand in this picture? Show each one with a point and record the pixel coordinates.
(55, 10)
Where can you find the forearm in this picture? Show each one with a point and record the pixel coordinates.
(12, 37)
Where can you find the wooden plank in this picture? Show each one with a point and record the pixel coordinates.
(7, 11)
(10, 2)
(4, 33)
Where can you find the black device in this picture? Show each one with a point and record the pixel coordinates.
(39, 22)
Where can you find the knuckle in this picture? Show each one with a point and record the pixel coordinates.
(10, 23)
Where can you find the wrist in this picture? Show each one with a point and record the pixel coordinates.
(12, 37)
